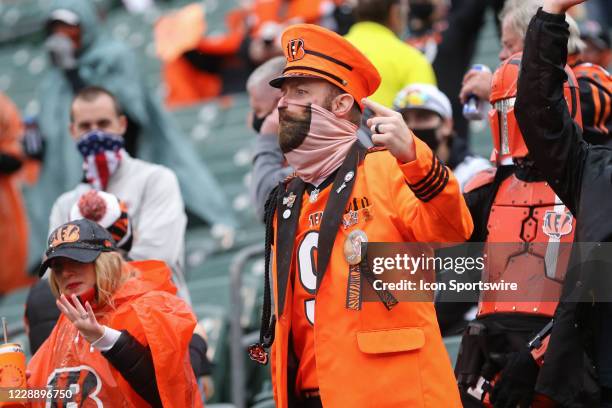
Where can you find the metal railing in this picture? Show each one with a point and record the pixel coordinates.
(237, 343)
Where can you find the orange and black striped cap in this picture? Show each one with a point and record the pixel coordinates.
(316, 52)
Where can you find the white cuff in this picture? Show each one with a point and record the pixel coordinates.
(107, 340)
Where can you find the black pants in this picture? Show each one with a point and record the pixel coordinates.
(314, 402)
(606, 397)
(469, 401)
(505, 333)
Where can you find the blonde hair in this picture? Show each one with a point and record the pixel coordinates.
(111, 272)
(519, 13)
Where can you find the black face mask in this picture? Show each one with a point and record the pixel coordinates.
(429, 136)
(257, 122)
(420, 18)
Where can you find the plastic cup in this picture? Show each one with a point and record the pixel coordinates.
(12, 370)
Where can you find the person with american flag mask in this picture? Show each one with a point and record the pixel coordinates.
(150, 191)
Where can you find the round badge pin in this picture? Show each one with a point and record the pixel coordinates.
(352, 246)
(286, 214)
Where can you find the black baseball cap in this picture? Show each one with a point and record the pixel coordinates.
(80, 240)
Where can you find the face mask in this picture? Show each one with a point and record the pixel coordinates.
(315, 141)
(257, 122)
(62, 51)
(293, 127)
(102, 154)
(429, 136)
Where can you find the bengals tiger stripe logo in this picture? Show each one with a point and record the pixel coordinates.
(84, 383)
(557, 224)
(353, 292)
(295, 50)
(65, 234)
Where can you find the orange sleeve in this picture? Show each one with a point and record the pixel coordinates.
(428, 200)
(168, 323)
(38, 366)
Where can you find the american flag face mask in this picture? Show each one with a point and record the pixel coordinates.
(102, 154)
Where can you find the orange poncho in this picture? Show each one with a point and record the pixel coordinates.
(145, 306)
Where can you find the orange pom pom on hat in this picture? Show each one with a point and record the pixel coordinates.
(317, 52)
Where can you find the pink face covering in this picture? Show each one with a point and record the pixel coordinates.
(324, 148)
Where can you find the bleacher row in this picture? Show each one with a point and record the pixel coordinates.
(221, 137)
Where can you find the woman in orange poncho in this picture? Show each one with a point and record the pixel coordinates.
(13, 221)
(122, 339)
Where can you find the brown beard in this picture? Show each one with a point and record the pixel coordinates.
(293, 128)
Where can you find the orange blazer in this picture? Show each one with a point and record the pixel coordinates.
(374, 357)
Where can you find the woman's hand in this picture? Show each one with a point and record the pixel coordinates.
(82, 318)
(559, 6)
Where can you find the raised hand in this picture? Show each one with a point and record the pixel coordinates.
(390, 130)
(559, 6)
(476, 83)
(83, 318)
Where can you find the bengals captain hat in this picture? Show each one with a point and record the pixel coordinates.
(81, 240)
(313, 51)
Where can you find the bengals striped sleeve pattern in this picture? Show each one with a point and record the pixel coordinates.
(595, 97)
(433, 183)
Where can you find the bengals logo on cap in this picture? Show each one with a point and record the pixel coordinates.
(65, 234)
(295, 50)
(557, 225)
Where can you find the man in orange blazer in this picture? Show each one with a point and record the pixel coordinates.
(356, 353)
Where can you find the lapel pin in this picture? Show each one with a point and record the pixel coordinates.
(289, 200)
(352, 246)
(349, 219)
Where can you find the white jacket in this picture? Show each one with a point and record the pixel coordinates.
(156, 211)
